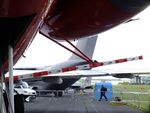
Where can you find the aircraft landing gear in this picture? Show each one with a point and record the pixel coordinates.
(58, 94)
(18, 103)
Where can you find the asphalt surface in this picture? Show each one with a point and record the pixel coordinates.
(75, 104)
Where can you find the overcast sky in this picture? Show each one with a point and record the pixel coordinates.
(126, 40)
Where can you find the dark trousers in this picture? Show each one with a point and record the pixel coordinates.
(103, 95)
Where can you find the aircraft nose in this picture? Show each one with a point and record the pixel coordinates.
(131, 5)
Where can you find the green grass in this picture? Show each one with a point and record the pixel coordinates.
(140, 101)
(131, 87)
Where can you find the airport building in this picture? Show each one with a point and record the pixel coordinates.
(141, 79)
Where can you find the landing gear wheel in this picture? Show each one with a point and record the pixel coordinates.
(6, 101)
(58, 94)
(19, 103)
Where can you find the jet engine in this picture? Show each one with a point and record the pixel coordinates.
(123, 75)
(56, 80)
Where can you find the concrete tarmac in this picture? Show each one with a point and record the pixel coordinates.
(75, 104)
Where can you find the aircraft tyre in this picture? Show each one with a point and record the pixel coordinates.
(19, 103)
(6, 101)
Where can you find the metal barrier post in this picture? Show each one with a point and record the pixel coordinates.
(149, 104)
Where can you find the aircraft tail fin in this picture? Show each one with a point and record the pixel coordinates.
(87, 46)
(88, 83)
(88, 80)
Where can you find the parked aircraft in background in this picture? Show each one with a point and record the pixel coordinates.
(59, 78)
(60, 81)
(87, 46)
(82, 85)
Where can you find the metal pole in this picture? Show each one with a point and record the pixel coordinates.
(149, 104)
(1, 94)
(3, 107)
(11, 81)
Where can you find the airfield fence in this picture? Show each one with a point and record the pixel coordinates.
(140, 100)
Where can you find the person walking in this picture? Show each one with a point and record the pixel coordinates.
(103, 91)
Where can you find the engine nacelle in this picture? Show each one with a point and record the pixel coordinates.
(56, 80)
(123, 75)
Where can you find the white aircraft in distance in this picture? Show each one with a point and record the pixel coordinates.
(60, 82)
(82, 84)
(63, 75)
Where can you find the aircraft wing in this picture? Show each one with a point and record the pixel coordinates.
(80, 73)
(127, 73)
(123, 71)
(91, 73)
(32, 68)
(97, 73)
(73, 70)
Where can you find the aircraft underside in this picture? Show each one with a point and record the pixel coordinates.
(59, 19)
(41, 85)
